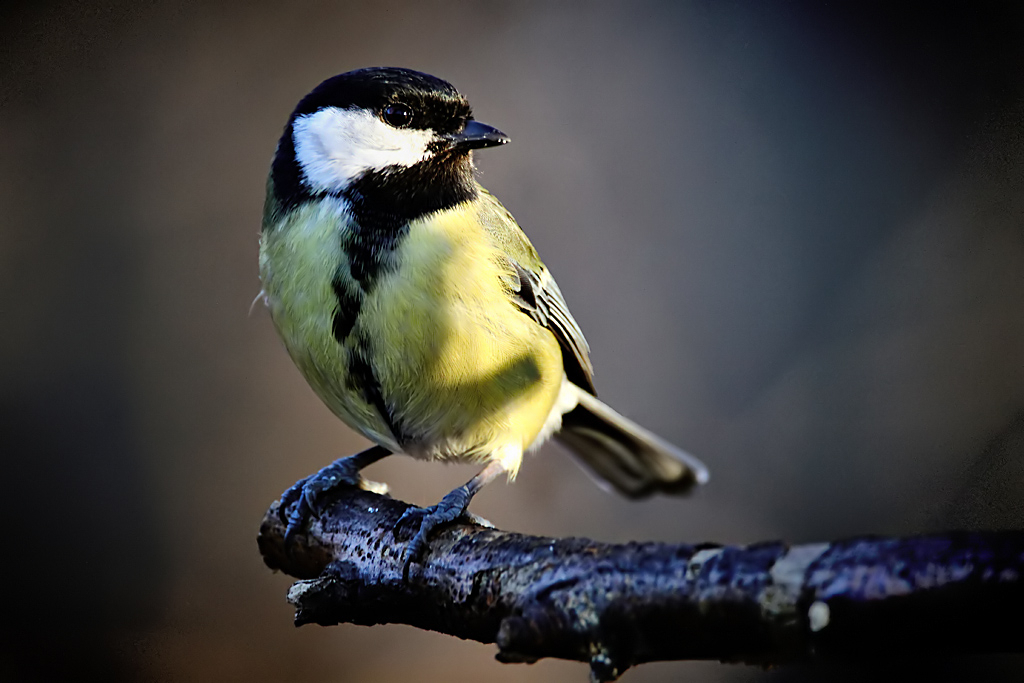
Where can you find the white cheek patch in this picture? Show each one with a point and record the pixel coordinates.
(334, 146)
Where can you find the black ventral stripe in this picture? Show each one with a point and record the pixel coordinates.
(362, 379)
(347, 311)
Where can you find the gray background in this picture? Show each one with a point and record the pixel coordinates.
(794, 237)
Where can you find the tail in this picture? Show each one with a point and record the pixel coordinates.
(624, 454)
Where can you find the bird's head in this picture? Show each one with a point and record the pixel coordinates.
(381, 134)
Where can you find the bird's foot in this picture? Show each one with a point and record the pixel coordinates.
(452, 507)
(308, 497)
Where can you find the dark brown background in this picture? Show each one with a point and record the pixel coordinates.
(793, 235)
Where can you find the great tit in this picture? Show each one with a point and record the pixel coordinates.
(418, 310)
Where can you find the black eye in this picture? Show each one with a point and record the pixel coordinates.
(397, 114)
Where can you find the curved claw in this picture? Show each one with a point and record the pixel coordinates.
(293, 494)
(307, 497)
(409, 514)
(413, 552)
(451, 507)
(297, 519)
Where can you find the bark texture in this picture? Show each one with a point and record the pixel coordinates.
(615, 606)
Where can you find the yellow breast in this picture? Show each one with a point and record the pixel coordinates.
(464, 371)
(473, 371)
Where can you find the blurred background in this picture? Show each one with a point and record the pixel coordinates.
(793, 234)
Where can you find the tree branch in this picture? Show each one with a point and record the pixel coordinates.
(619, 605)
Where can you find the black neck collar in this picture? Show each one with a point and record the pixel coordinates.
(385, 200)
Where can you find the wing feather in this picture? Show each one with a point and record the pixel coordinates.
(534, 291)
(538, 296)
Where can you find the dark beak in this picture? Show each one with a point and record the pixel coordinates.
(477, 135)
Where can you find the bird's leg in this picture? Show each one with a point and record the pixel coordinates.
(451, 507)
(312, 492)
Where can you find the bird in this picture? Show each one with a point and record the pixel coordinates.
(418, 310)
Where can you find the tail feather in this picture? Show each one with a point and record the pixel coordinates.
(633, 460)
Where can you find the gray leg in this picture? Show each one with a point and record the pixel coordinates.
(310, 494)
(451, 507)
